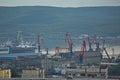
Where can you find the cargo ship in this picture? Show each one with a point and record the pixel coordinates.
(23, 48)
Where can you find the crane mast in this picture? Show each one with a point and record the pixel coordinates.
(81, 56)
(69, 43)
(89, 42)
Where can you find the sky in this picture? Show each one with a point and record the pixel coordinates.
(60, 3)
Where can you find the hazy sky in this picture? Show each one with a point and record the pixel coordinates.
(60, 3)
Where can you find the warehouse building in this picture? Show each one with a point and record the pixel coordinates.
(89, 57)
(88, 71)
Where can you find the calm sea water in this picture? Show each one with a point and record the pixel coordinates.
(57, 79)
(52, 24)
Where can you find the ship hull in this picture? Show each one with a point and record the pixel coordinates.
(23, 50)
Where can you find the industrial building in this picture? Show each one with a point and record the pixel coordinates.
(92, 57)
(89, 57)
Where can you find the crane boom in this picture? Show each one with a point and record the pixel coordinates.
(105, 50)
(106, 53)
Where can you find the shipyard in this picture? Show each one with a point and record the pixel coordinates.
(60, 40)
(26, 61)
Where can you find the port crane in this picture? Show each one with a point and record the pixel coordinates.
(68, 38)
(68, 49)
(81, 55)
(89, 42)
(70, 44)
(104, 49)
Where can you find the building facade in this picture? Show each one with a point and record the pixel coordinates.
(88, 71)
(5, 73)
(33, 73)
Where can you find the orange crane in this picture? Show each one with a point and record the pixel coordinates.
(58, 50)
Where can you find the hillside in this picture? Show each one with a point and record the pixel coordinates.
(85, 20)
